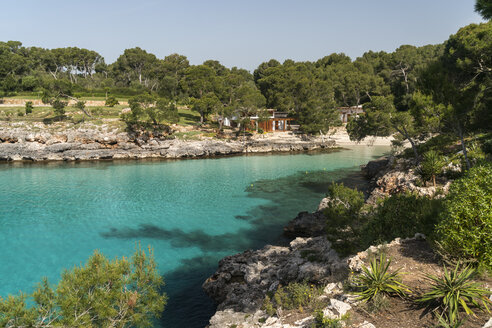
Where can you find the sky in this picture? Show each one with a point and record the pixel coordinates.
(237, 33)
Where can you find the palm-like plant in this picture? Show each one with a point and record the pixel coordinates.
(376, 280)
(430, 166)
(455, 289)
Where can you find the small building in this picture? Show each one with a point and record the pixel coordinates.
(347, 112)
(278, 121)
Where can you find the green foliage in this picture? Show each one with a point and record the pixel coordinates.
(401, 215)
(59, 107)
(431, 166)
(29, 107)
(381, 119)
(268, 306)
(465, 230)
(293, 296)
(455, 290)
(342, 216)
(320, 321)
(378, 303)
(377, 280)
(111, 101)
(484, 8)
(80, 105)
(147, 110)
(102, 293)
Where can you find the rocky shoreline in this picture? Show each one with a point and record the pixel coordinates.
(21, 144)
(241, 281)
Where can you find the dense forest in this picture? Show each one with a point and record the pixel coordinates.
(309, 89)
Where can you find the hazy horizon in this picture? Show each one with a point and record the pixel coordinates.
(242, 34)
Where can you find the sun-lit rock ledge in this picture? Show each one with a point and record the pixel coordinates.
(20, 144)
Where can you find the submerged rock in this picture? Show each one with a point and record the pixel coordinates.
(306, 225)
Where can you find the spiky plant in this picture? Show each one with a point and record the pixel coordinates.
(377, 280)
(430, 166)
(455, 290)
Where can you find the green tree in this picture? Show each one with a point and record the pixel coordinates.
(59, 107)
(484, 8)
(198, 82)
(137, 65)
(207, 104)
(381, 119)
(101, 293)
(461, 81)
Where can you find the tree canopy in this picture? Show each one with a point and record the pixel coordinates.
(102, 293)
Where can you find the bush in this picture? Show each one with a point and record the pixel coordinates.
(401, 215)
(320, 321)
(29, 107)
(377, 281)
(454, 290)
(79, 105)
(342, 217)
(111, 101)
(293, 296)
(465, 230)
(58, 107)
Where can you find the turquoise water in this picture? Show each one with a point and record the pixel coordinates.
(192, 212)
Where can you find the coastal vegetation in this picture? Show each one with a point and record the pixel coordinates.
(102, 293)
(436, 98)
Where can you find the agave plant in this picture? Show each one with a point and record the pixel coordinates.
(456, 289)
(376, 280)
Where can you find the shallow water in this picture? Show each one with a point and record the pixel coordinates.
(192, 212)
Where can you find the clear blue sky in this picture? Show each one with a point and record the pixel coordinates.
(237, 33)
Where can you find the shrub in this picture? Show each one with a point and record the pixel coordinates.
(29, 107)
(293, 296)
(20, 113)
(97, 111)
(320, 321)
(401, 215)
(79, 105)
(58, 107)
(342, 217)
(430, 166)
(111, 101)
(376, 281)
(465, 230)
(454, 290)
(268, 306)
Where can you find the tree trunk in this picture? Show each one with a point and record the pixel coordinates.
(463, 147)
(434, 179)
(404, 132)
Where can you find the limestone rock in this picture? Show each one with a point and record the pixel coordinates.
(242, 280)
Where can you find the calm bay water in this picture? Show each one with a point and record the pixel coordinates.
(192, 212)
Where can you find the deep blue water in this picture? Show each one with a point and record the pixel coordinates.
(192, 212)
